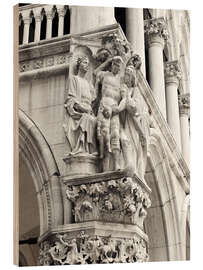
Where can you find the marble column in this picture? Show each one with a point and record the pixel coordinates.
(37, 27)
(26, 30)
(61, 13)
(135, 32)
(84, 18)
(172, 78)
(184, 109)
(156, 34)
(49, 25)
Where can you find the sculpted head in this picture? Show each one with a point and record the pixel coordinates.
(107, 112)
(129, 76)
(117, 62)
(82, 64)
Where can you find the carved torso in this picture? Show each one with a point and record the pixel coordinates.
(110, 89)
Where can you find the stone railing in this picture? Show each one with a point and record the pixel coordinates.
(42, 22)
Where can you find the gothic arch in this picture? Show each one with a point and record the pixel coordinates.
(162, 234)
(37, 154)
(185, 226)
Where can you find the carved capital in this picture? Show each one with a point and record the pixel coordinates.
(61, 12)
(172, 72)
(156, 31)
(27, 20)
(184, 104)
(64, 249)
(50, 15)
(122, 201)
(38, 18)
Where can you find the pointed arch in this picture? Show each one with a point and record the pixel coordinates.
(163, 235)
(37, 154)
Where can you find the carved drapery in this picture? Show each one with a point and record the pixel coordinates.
(118, 197)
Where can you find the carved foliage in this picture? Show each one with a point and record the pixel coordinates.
(113, 45)
(122, 201)
(157, 27)
(86, 249)
(172, 69)
(184, 103)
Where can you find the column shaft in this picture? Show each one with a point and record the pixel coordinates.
(26, 31)
(156, 76)
(172, 76)
(156, 34)
(49, 27)
(184, 106)
(185, 138)
(61, 22)
(37, 29)
(135, 32)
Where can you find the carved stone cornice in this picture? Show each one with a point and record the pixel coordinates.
(121, 200)
(93, 245)
(172, 72)
(156, 31)
(184, 104)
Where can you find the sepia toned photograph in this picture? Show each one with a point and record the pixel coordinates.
(102, 154)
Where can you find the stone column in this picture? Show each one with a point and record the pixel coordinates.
(135, 32)
(156, 35)
(49, 25)
(61, 12)
(184, 109)
(172, 78)
(38, 20)
(85, 18)
(26, 30)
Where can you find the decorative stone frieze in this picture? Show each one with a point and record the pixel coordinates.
(184, 104)
(172, 72)
(121, 200)
(93, 246)
(44, 62)
(156, 31)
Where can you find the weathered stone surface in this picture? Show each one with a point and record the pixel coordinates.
(121, 200)
(96, 243)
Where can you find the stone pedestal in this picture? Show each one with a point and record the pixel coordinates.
(82, 164)
(109, 210)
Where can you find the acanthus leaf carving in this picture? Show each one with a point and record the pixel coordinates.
(120, 200)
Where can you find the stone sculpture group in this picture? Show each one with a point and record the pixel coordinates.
(105, 116)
